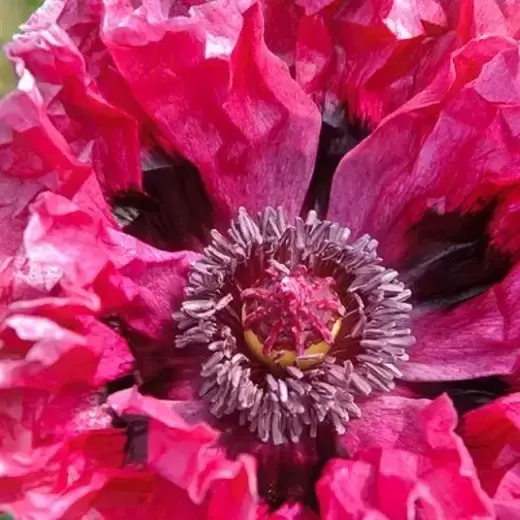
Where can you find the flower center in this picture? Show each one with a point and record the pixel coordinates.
(297, 321)
(291, 318)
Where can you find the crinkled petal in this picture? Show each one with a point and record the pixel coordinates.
(59, 480)
(83, 477)
(81, 20)
(395, 49)
(375, 56)
(142, 494)
(435, 479)
(281, 27)
(52, 342)
(33, 150)
(115, 357)
(88, 255)
(186, 456)
(97, 132)
(434, 157)
(491, 16)
(62, 459)
(161, 278)
(34, 157)
(133, 282)
(55, 356)
(492, 435)
(508, 510)
(371, 57)
(506, 220)
(476, 339)
(94, 108)
(43, 353)
(31, 418)
(390, 56)
(153, 332)
(224, 102)
(314, 54)
(434, 154)
(76, 246)
(387, 422)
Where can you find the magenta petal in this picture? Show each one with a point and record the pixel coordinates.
(390, 55)
(76, 246)
(33, 150)
(60, 480)
(436, 477)
(31, 418)
(85, 475)
(131, 280)
(507, 510)
(348, 490)
(366, 58)
(478, 338)
(472, 154)
(48, 360)
(86, 254)
(472, 163)
(395, 50)
(313, 6)
(281, 28)
(53, 342)
(141, 494)
(81, 20)
(225, 102)
(292, 511)
(492, 434)
(186, 456)
(506, 221)
(314, 57)
(387, 422)
(161, 278)
(90, 198)
(115, 359)
(491, 16)
(34, 157)
(97, 132)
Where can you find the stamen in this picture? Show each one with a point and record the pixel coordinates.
(298, 323)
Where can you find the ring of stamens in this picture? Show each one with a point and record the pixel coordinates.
(361, 327)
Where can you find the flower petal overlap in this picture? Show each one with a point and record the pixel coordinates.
(135, 129)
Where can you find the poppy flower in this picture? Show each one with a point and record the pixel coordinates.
(261, 261)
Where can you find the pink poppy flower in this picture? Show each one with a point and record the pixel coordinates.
(260, 261)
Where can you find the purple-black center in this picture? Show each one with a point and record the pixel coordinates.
(297, 322)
